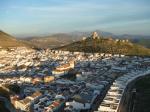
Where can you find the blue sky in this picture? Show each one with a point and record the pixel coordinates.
(37, 17)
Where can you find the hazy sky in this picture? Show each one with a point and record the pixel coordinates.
(35, 17)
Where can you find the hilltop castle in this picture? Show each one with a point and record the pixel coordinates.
(95, 35)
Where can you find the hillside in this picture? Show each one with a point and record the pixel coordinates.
(94, 43)
(7, 40)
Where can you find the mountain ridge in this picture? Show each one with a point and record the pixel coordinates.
(60, 39)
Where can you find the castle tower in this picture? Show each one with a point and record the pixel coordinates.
(95, 35)
(84, 38)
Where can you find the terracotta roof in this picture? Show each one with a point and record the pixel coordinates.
(36, 94)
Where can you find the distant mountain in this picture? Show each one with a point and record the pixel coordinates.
(52, 41)
(95, 43)
(87, 33)
(7, 40)
(60, 39)
(134, 36)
